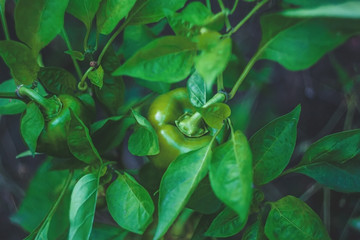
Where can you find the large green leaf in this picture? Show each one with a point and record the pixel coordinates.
(231, 174)
(345, 9)
(334, 161)
(136, 37)
(82, 207)
(57, 80)
(111, 12)
(152, 61)
(107, 232)
(298, 43)
(129, 204)
(84, 10)
(80, 142)
(273, 146)
(10, 106)
(20, 60)
(178, 183)
(32, 124)
(227, 223)
(38, 22)
(291, 218)
(254, 232)
(149, 11)
(42, 193)
(143, 141)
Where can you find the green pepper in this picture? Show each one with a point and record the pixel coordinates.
(163, 112)
(56, 110)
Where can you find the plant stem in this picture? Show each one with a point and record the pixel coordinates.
(11, 95)
(244, 74)
(223, 9)
(68, 44)
(86, 38)
(234, 6)
(310, 192)
(252, 12)
(4, 23)
(82, 86)
(220, 83)
(208, 4)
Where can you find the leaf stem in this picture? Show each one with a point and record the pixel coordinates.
(310, 192)
(82, 86)
(86, 38)
(208, 4)
(220, 83)
(234, 6)
(4, 23)
(68, 44)
(11, 95)
(244, 74)
(247, 17)
(223, 9)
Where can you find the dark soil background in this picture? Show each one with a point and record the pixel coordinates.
(326, 109)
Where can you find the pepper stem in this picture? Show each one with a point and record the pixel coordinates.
(194, 126)
(50, 106)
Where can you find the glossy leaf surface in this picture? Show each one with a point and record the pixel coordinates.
(197, 90)
(57, 80)
(273, 146)
(231, 174)
(215, 114)
(291, 218)
(129, 204)
(178, 183)
(84, 10)
(96, 76)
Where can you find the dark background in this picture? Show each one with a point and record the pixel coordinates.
(325, 109)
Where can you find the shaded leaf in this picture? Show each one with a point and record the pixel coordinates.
(197, 89)
(82, 207)
(215, 114)
(20, 60)
(178, 183)
(32, 124)
(129, 204)
(57, 80)
(254, 232)
(110, 13)
(291, 218)
(38, 22)
(231, 174)
(80, 142)
(152, 61)
(107, 232)
(227, 223)
(96, 76)
(273, 145)
(149, 11)
(143, 141)
(136, 37)
(84, 10)
(10, 106)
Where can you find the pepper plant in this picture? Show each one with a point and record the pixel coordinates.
(157, 80)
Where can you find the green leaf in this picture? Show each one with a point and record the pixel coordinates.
(214, 57)
(149, 11)
(110, 13)
(197, 89)
(298, 43)
(215, 114)
(227, 223)
(38, 22)
(82, 207)
(231, 174)
(20, 60)
(334, 161)
(129, 204)
(57, 80)
(254, 232)
(203, 199)
(178, 183)
(32, 124)
(152, 61)
(84, 10)
(136, 37)
(110, 132)
(42, 193)
(107, 232)
(80, 142)
(333, 10)
(76, 54)
(291, 218)
(273, 145)
(10, 106)
(143, 141)
(96, 76)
